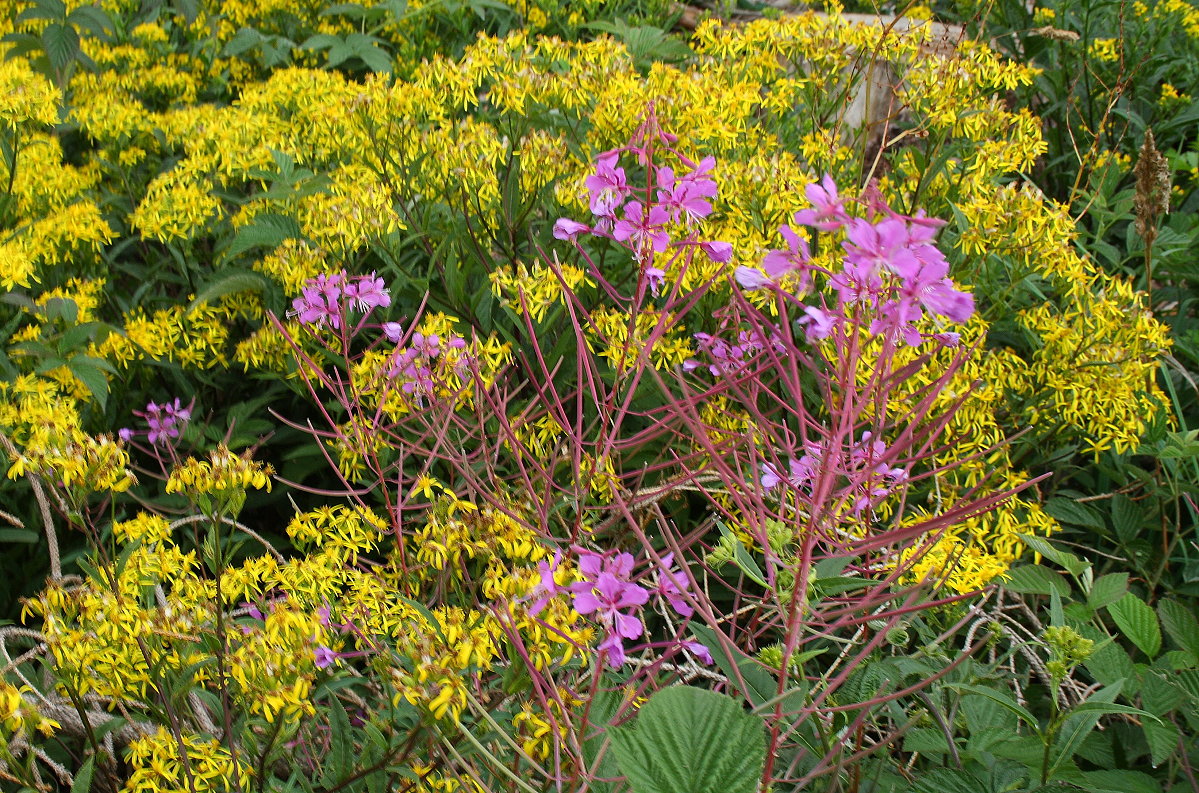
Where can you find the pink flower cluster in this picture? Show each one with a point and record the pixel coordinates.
(325, 299)
(606, 590)
(891, 267)
(415, 364)
(639, 217)
(869, 477)
(165, 422)
(731, 357)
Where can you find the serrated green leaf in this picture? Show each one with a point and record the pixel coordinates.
(243, 40)
(232, 282)
(1127, 517)
(1035, 579)
(83, 777)
(1107, 589)
(1138, 623)
(1180, 625)
(688, 740)
(91, 18)
(945, 780)
(269, 230)
(93, 379)
(1162, 738)
(61, 43)
(1072, 512)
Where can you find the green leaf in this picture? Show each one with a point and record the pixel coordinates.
(231, 283)
(61, 43)
(1127, 517)
(761, 686)
(1072, 564)
(244, 40)
(83, 777)
(1137, 622)
(339, 759)
(92, 378)
(1107, 589)
(1034, 579)
(268, 230)
(1001, 698)
(92, 19)
(1122, 782)
(1180, 625)
(28, 536)
(1069, 511)
(741, 557)
(1162, 738)
(687, 740)
(945, 780)
(1081, 720)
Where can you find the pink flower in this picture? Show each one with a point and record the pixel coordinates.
(548, 586)
(368, 292)
(827, 213)
(672, 585)
(165, 421)
(655, 277)
(324, 657)
(607, 185)
(793, 260)
(567, 229)
(700, 651)
(685, 198)
(819, 324)
(751, 279)
(719, 252)
(394, 331)
(640, 227)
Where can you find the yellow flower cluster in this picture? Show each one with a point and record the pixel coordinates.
(535, 290)
(224, 472)
(205, 766)
(17, 713)
(77, 461)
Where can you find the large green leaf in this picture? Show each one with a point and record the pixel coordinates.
(1034, 579)
(1180, 625)
(1107, 589)
(268, 230)
(687, 740)
(1137, 621)
(61, 43)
